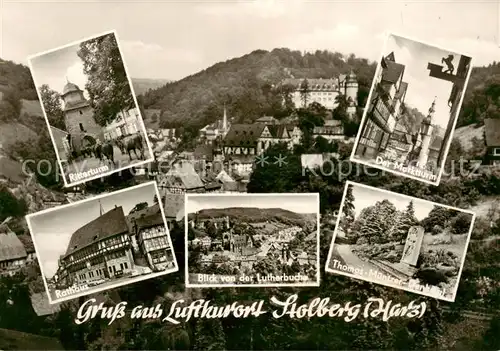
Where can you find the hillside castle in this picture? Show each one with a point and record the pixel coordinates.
(325, 91)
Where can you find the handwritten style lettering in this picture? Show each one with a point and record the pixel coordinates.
(377, 307)
(89, 311)
(316, 308)
(203, 309)
(290, 307)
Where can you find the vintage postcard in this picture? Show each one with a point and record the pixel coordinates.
(90, 109)
(412, 109)
(102, 242)
(400, 241)
(260, 240)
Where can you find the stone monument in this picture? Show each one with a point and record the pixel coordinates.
(412, 246)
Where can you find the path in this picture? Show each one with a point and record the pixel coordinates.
(354, 261)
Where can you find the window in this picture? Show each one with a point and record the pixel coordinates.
(125, 265)
(496, 151)
(81, 128)
(80, 112)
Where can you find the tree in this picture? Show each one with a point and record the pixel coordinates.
(272, 176)
(13, 98)
(347, 211)
(108, 85)
(304, 93)
(52, 105)
(10, 205)
(374, 223)
(209, 335)
(401, 223)
(211, 230)
(287, 91)
(437, 216)
(491, 339)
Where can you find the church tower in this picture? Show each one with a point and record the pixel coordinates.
(351, 92)
(79, 117)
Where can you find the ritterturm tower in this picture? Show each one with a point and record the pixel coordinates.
(79, 117)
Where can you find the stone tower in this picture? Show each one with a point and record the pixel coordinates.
(79, 118)
(426, 132)
(351, 92)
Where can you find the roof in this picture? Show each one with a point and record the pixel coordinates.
(332, 123)
(109, 224)
(27, 243)
(244, 135)
(69, 88)
(76, 104)
(16, 340)
(249, 251)
(185, 173)
(11, 247)
(174, 206)
(392, 71)
(152, 220)
(234, 186)
(266, 119)
(316, 84)
(492, 131)
(278, 131)
(41, 305)
(241, 159)
(213, 185)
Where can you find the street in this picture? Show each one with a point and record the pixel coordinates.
(104, 166)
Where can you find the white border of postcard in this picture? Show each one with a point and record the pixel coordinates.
(354, 276)
(353, 157)
(242, 197)
(131, 280)
(141, 121)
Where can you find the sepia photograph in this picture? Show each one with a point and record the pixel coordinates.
(102, 242)
(257, 97)
(412, 109)
(90, 108)
(259, 240)
(400, 241)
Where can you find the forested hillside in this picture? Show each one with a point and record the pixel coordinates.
(18, 77)
(482, 98)
(254, 215)
(143, 85)
(245, 85)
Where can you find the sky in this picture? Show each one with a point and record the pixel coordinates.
(365, 197)
(423, 89)
(52, 230)
(58, 67)
(298, 203)
(174, 39)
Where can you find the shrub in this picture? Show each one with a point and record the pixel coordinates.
(437, 229)
(461, 223)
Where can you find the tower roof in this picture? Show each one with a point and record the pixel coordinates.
(70, 87)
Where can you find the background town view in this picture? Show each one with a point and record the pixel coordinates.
(249, 118)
